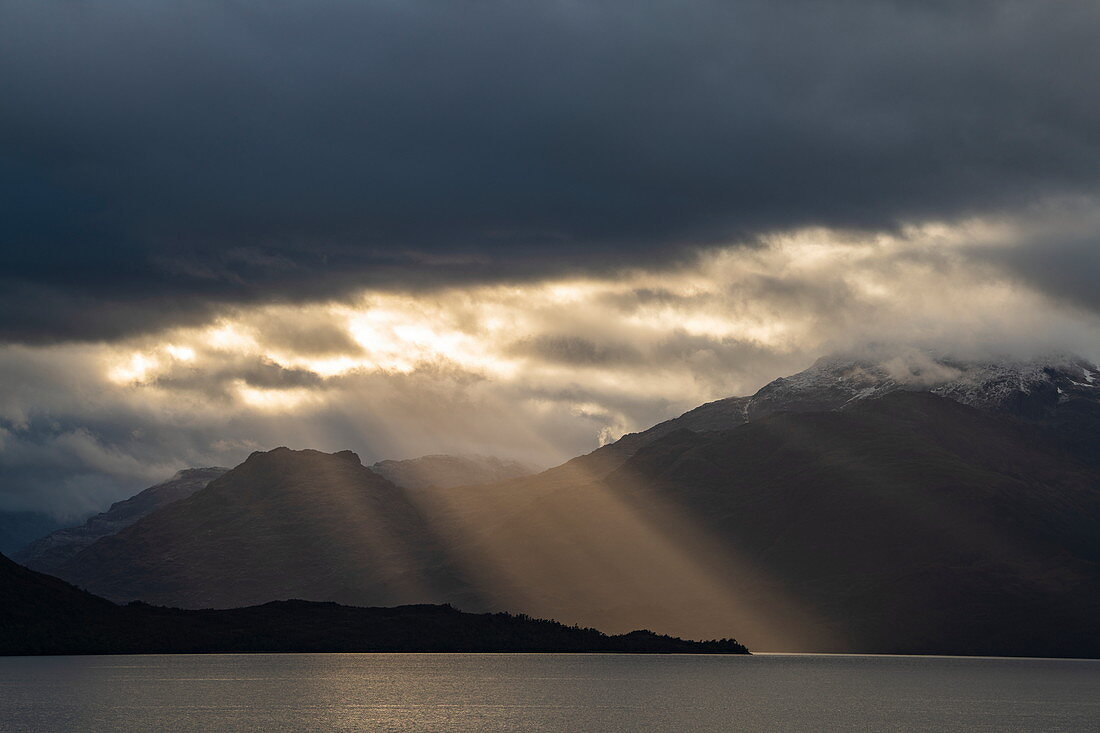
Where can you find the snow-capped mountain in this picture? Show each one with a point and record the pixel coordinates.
(1026, 388)
(1041, 389)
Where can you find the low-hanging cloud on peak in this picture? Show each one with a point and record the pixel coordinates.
(539, 371)
(514, 228)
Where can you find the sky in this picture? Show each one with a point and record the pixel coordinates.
(512, 228)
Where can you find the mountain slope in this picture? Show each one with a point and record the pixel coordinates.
(909, 523)
(283, 524)
(1060, 392)
(904, 523)
(40, 614)
(49, 553)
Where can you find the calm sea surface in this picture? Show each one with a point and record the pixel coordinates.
(591, 692)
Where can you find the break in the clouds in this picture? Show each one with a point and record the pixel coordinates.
(539, 370)
(513, 227)
(160, 160)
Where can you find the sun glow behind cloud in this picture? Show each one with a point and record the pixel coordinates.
(539, 370)
(273, 400)
(787, 300)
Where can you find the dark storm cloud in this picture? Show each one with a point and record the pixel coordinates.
(1068, 269)
(159, 159)
(253, 372)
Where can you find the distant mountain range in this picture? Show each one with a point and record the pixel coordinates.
(908, 505)
(1060, 392)
(17, 528)
(446, 471)
(283, 524)
(49, 553)
(52, 551)
(40, 614)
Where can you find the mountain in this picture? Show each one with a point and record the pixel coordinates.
(283, 524)
(900, 520)
(40, 614)
(1060, 391)
(17, 528)
(909, 523)
(446, 471)
(905, 524)
(52, 551)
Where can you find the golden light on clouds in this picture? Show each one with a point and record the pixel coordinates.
(134, 369)
(274, 400)
(592, 356)
(540, 371)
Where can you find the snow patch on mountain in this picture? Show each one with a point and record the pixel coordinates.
(1029, 389)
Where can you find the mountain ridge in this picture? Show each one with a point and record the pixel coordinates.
(818, 530)
(1043, 389)
(303, 515)
(980, 514)
(52, 551)
(40, 614)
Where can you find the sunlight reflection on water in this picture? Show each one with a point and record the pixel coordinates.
(475, 692)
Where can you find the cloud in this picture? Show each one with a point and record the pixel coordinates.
(1067, 269)
(161, 161)
(540, 371)
(510, 228)
(574, 350)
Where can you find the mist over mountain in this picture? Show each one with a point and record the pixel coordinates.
(447, 471)
(846, 508)
(50, 552)
(532, 229)
(1061, 392)
(17, 528)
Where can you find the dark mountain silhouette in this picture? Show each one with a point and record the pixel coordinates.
(447, 471)
(909, 524)
(901, 522)
(283, 524)
(52, 551)
(48, 552)
(40, 614)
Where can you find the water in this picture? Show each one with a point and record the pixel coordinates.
(524, 692)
